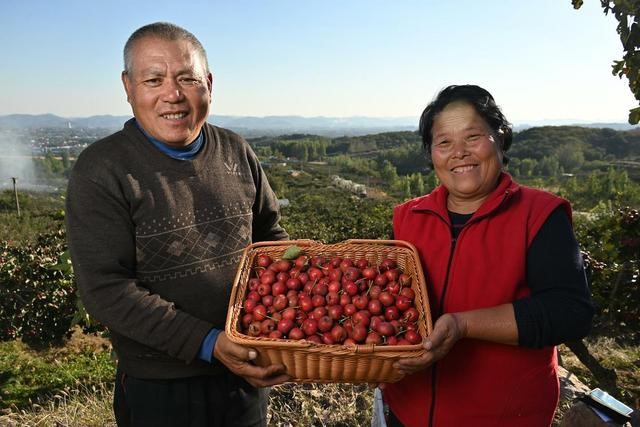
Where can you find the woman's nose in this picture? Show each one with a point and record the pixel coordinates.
(460, 148)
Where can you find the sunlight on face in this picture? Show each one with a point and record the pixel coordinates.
(169, 89)
(465, 155)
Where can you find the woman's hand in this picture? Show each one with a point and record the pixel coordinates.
(448, 329)
(239, 361)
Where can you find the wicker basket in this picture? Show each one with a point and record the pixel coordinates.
(310, 362)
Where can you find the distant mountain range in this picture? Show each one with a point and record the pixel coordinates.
(269, 125)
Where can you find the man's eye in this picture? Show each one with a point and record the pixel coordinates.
(473, 137)
(153, 82)
(189, 81)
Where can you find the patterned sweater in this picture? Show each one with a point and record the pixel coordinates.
(155, 242)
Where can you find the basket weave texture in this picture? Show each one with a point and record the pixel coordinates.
(311, 362)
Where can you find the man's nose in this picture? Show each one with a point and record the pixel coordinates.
(173, 91)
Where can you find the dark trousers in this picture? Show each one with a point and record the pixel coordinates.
(204, 401)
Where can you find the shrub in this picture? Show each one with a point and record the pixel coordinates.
(37, 298)
(610, 238)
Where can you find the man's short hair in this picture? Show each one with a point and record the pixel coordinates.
(164, 31)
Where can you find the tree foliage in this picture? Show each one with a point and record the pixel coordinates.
(627, 13)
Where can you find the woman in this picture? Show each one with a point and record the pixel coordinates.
(505, 277)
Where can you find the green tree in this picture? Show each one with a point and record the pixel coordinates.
(527, 166)
(389, 174)
(549, 166)
(627, 13)
(571, 157)
(417, 184)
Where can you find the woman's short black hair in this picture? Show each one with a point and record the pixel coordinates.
(481, 100)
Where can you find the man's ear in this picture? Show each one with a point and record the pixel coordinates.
(127, 85)
(210, 84)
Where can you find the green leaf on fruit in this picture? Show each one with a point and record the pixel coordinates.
(292, 252)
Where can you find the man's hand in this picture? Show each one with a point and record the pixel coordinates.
(238, 359)
(446, 332)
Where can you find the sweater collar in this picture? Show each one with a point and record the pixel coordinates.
(187, 152)
(436, 201)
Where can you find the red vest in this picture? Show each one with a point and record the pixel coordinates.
(478, 383)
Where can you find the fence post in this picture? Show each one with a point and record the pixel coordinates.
(15, 192)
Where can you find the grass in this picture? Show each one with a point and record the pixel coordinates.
(72, 386)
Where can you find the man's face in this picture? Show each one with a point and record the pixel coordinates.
(169, 89)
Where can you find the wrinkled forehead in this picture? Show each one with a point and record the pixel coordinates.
(458, 115)
(156, 52)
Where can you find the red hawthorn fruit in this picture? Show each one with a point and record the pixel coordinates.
(246, 320)
(374, 306)
(280, 302)
(332, 298)
(338, 333)
(283, 265)
(309, 327)
(335, 311)
(267, 325)
(301, 262)
(325, 323)
(335, 261)
(345, 299)
(359, 333)
(388, 264)
(314, 339)
(403, 303)
(254, 328)
(285, 326)
(362, 263)
(343, 302)
(318, 312)
(360, 301)
(391, 313)
(392, 275)
(345, 264)
(264, 261)
(275, 334)
(296, 334)
(380, 280)
(413, 337)
(386, 329)
(267, 300)
(408, 292)
(289, 313)
(369, 273)
(259, 312)
(411, 315)
(373, 338)
(386, 298)
(278, 288)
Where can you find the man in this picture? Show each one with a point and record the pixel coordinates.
(157, 217)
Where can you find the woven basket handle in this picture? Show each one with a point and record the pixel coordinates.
(305, 242)
(384, 242)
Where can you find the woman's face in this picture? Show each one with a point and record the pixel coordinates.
(466, 156)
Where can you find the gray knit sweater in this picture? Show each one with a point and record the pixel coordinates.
(155, 242)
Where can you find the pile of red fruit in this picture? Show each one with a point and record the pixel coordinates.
(331, 301)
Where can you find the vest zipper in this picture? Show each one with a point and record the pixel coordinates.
(440, 310)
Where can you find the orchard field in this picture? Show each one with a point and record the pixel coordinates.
(56, 365)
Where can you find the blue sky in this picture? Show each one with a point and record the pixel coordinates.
(541, 59)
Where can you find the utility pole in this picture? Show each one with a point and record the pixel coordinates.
(15, 192)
